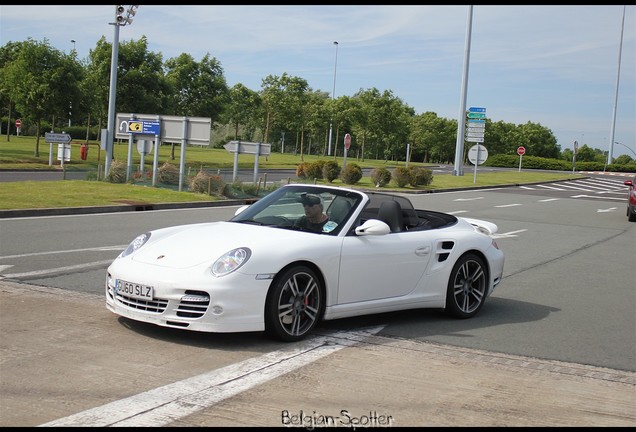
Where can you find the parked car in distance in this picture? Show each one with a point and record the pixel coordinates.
(263, 270)
(631, 199)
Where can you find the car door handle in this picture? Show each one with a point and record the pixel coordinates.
(424, 250)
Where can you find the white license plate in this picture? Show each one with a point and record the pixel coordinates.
(134, 290)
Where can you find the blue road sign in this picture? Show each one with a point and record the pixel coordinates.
(477, 109)
(144, 127)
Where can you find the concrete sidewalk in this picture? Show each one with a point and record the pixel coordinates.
(62, 353)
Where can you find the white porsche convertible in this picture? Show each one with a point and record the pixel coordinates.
(271, 269)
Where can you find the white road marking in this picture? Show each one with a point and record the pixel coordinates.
(468, 199)
(549, 199)
(56, 270)
(507, 205)
(509, 234)
(4, 267)
(549, 187)
(458, 212)
(171, 402)
(103, 248)
(598, 197)
(606, 210)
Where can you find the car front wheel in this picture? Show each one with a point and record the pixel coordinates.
(294, 304)
(467, 287)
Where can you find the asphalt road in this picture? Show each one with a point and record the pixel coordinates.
(554, 345)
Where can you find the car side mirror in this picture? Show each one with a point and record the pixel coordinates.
(373, 227)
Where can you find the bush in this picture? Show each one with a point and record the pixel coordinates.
(420, 176)
(301, 170)
(331, 170)
(168, 174)
(351, 174)
(207, 184)
(314, 170)
(381, 176)
(401, 176)
(117, 172)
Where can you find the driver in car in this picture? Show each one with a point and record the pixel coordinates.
(314, 218)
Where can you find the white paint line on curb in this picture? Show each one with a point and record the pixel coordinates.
(171, 402)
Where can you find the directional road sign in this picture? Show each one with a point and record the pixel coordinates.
(243, 147)
(475, 125)
(62, 138)
(476, 115)
(477, 109)
(144, 127)
(477, 154)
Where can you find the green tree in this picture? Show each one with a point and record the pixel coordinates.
(196, 88)
(585, 154)
(8, 53)
(538, 141)
(242, 108)
(42, 81)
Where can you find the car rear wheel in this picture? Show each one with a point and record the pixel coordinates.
(294, 304)
(467, 287)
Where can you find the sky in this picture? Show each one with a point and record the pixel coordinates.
(557, 66)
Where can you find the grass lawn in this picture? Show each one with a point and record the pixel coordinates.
(19, 154)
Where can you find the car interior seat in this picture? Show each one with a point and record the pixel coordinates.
(390, 212)
(339, 209)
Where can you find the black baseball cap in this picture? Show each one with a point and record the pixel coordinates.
(309, 199)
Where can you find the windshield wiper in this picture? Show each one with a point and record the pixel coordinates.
(249, 221)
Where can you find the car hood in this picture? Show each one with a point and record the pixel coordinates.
(192, 245)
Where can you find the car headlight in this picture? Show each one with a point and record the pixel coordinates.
(138, 242)
(230, 261)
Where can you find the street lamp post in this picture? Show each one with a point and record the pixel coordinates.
(610, 155)
(333, 97)
(70, 104)
(634, 153)
(120, 21)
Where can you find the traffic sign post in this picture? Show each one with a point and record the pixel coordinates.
(63, 153)
(477, 155)
(60, 138)
(347, 144)
(241, 147)
(18, 125)
(476, 125)
(521, 150)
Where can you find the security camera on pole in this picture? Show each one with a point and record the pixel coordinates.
(120, 21)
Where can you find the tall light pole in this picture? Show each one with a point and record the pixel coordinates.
(610, 157)
(70, 104)
(458, 170)
(120, 21)
(333, 97)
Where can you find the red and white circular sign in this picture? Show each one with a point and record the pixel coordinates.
(18, 123)
(521, 150)
(347, 141)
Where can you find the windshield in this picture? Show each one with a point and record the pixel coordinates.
(303, 208)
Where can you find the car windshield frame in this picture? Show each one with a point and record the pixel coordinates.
(284, 207)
